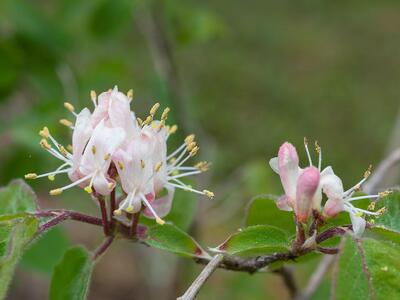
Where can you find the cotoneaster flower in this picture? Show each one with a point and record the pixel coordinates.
(111, 137)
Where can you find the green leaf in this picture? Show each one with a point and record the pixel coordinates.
(17, 197)
(71, 276)
(382, 233)
(54, 243)
(15, 233)
(256, 240)
(367, 269)
(262, 210)
(391, 218)
(170, 238)
(183, 209)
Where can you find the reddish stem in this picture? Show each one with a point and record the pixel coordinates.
(113, 205)
(103, 247)
(103, 208)
(135, 221)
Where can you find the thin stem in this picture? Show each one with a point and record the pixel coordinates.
(103, 247)
(331, 232)
(53, 222)
(289, 280)
(195, 287)
(113, 205)
(72, 215)
(103, 208)
(135, 221)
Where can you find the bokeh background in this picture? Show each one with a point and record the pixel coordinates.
(245, 76)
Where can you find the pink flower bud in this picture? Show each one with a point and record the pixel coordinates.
(307, 185)
(333, 207)
(288, 165)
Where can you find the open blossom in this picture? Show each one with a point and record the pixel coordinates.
(112, 138)
(304, 188)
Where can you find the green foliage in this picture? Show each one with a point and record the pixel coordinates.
(367, 270)
(53, 243)
(170, 238)
(262, 210)
(71, 276)
(17, 197)
(391, 218)
(15, 233)
(256, 240)
(183, 209)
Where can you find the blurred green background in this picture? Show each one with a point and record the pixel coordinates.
(244, 76)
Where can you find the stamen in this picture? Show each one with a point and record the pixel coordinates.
(93, 97)
(140, 121)
(44, 133)
(172, 129)
(208, 194)
(189, 139)
(69, 148)
(307, 151)
(371, 206)
(69, 107)
(158, 166)
(120, 165)
(31, 176)
(142, 164)
(368, 172)
(56, 192)
(147, 203)
(203, 166)
(148, 120)
(191, 146)
(384, 194)
(94, 149)
(45, 144)
(194, 151)
(319, 151)
(107, 156)
(117, 212)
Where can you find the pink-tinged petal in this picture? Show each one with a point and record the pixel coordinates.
(273, 162)
(120, 113)
(358, 225)
(332, 186)
(333, 207)
(101, 111)
(306, 187)
(101, 184)
(81, 134)
(288, 166)
(284, 203)
(162, 205)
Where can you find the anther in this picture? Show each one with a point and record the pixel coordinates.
(158, 166)
(69, 106)
(148, 120)
(202, 166)
(164, 115)
(31, 176)
(384, 194)
(93, 95)
(56, 192)
(66, 122)
(120, 165)
(208, 194)
(130, 94)
(381, 211)
(191, 146)
(189, 139)
(94, 149)
(63, 150)
(368, 172)
(160, 221)
(45, 144)
(44, 133)
(194, 151)
(69, 148)
(110, 185)
(317, 147)
(371, 206)
(142, 164)
(88, 189)
(51, 177)
(117, 212)
(173, 129)
(129, 209)
(154, 109)
(140, 121)
(305, 141)
(107, 156)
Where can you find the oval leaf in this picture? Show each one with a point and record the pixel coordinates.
(391, 218)
(17, 197)
(262, 210)
(367, 269)
(256, 240)
(71, 276)
(15, 234)
(170, 238)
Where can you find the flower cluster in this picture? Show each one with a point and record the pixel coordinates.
(304, 188)
(111, 146)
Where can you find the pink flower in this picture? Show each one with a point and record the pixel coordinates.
(307, 185)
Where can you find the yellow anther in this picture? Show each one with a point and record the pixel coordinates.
(120, 165)
(117, 212)
(191, 146)
(173, 129)
(51, 177)
(189, 139)
(384, 194)
(157, 167)
(140, 121)
(45, 144)
(172, 160)
(63, 150)
(44, 133)
(94, 149)
(202, 166)
(148, 120)
(164, 115)
(381, 211)
(110, 185)
(371, 206)
(208, 194)
(160, 221)
(88, 189)
(194, 151)
(142, 164)
(305, 141)
(66, 122)
(317, 147)
(129, 209)
(69, 148)
(56, 192)
(31, 176)
(93, 95)
(107, 156)
(129, 94)
(174, 173)
(69, 106)
(161, 125)
(154, 109)
(368, 172)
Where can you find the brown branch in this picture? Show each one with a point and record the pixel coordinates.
(195, 287)
(103, 247)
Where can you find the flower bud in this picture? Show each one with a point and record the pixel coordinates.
(333, 207)
(307, 185)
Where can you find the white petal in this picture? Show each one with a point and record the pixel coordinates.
(358, 224)
(273, 162)
(332, 186)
